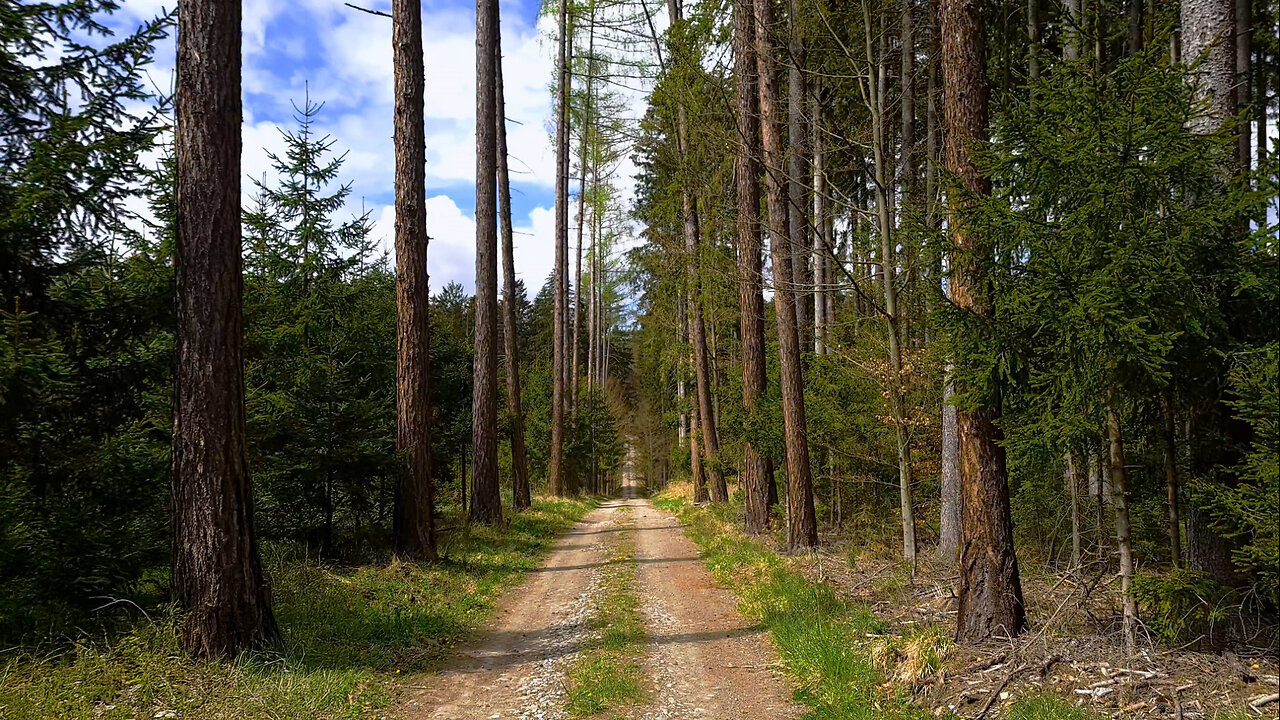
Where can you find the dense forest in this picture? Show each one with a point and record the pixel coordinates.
(985, 291)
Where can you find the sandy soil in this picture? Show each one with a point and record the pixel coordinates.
(702, 660)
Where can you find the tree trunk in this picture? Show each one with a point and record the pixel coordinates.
(217, 576)
(1073, 489)
(1071, 33)
(802, 525)
(414, 522)
(822, 245)
(574, 371)
(1033, 40)
(1243, 33)
(1120, 501)
(952, 504)
(1262, 103)
(1170, 459)
(990, 591)
(557, 482)
(1133, 36)
(877, 87)
(698, 470)
(486, 499)
(1208, 37)
(520, 490)
(797, 207)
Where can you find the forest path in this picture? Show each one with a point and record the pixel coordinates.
(702, 659)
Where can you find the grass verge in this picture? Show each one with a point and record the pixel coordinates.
(608, 675)
(350, 633)
(840, 655)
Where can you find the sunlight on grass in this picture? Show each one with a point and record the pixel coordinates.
(608, 675)
(823, 640)
(350, 634)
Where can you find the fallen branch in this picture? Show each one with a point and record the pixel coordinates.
(1260, 702)
(995, 694)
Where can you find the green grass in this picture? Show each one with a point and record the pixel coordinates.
(822, 639)
(350, 634)
(608, 676)
(828, 644)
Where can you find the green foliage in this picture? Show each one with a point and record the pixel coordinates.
(85, 311)
(1183, 605)
(320, 369)
(1250, 509)
(350, 634)
(1111, 228)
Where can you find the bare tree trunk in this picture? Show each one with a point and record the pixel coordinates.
(695, 455)
(1071, 34)
(486, 499)
(822, 245)
(557, 482)
(888, 271)
(1243, 33)
(1073, 489)
(1208, 36)
(520, 490)
(414, 519)
(1033, 40)
(802, 525)
(952, 499)
(217, 576)
(990, 591)
(574, 371)
(1170, 459)
(1262, 102)
(797, 207)
(1133, 36)
(1120, 498)
(1100, 505)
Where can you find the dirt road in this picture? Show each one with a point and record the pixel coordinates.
(701, 660)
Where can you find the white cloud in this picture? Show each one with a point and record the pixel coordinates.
(451, 254)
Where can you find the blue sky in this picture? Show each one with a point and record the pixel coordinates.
(343, 57)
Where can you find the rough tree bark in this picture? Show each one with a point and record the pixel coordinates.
(797, 170)
(802, 526)
(1071, 33)
(1208, 43)
(217, 576)
(520, 489)
(414, 521)
(1124, 541)
(756, 468)
(486, 500)
(1170, 459)
(990, 591)
(823, 228)
(556, 481)
(1073, 477)
(952, 498)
